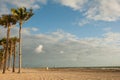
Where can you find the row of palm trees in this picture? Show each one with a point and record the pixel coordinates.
(11, 51)
(19, 15)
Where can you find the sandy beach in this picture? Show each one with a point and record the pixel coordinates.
(62, 74)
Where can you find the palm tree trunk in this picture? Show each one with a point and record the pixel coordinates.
(6, 50)
(1, 57)
(14, 57)
(20, 49)
(9, 57)
(0, 63)
(3, 54)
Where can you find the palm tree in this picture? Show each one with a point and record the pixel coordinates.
(7, 21)
(22, 14)
(10, 52)
(3, 44)
(15, 40)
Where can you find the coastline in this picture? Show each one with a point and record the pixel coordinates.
(62, 74)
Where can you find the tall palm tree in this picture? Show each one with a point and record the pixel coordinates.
(7, 21)
(3, 44)
(22, 14)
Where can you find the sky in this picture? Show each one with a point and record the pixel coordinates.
(68, 33)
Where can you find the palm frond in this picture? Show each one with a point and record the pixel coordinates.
(7, 20)
(22, 13)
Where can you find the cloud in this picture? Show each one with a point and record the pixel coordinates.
(74, 4)
(104, 10)
(83, 22)
(69, 47)
(14, 31)
(34, 29)
(113, 38)
(39, 49)
(61, 52)
(27, 31)
(35, 4)
(108, 29)
(65, 49)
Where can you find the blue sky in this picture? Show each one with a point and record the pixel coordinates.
(55, 16)
(69, 33)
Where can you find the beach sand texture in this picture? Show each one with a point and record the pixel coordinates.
(61, 74)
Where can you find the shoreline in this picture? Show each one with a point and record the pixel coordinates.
(62, 74)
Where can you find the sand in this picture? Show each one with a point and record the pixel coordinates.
(62, 74)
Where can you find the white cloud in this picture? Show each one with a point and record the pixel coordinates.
(105, 10)
(112, 38)
(26, 31)
(65, 48)
(74, 4)
(61, 52)
(35, 4)
(39, 49)
(35, 29)
(83, 22)
(3, 9)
